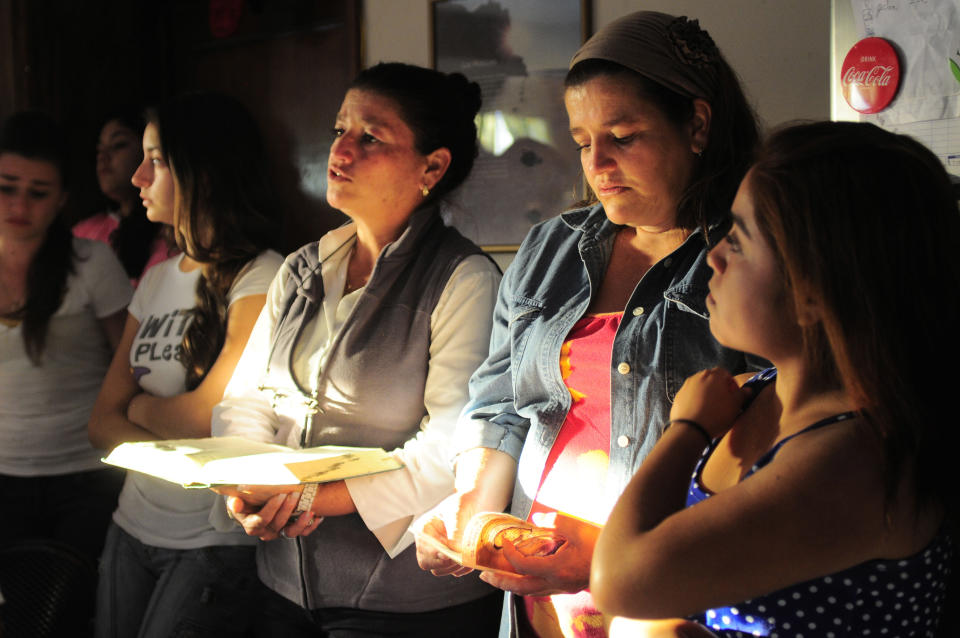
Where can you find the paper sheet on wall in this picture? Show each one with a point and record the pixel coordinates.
(926, 34)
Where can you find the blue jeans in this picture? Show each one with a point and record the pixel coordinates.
(152, 592)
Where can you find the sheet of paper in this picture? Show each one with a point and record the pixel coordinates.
(926, 34)
(234, 461)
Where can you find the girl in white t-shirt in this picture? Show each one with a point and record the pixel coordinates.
(165, 568)
(62, 307)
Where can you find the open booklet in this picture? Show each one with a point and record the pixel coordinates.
(232, 460)
(486, 533)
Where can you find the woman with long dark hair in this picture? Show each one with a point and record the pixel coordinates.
(138, 242)
(62, 306)
(165, 567)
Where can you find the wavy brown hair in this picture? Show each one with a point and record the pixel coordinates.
(865, 226)
(224, 211)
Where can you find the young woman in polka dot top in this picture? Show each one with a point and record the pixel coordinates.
(820, 505)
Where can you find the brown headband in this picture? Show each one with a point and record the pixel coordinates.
(673, 52)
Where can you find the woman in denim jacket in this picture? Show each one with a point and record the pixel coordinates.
(602, 314)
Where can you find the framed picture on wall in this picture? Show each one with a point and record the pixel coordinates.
(518, 52)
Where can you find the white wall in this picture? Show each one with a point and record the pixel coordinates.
(780, 48)
(396, 31)
(843, 35)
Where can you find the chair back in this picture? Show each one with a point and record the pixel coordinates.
(48, 589)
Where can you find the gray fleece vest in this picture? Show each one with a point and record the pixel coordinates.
(377, 372)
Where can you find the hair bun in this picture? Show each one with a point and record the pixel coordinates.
(466, 93)
(440, 109)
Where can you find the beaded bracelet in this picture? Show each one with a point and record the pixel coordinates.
(306, 498)
(693, 424)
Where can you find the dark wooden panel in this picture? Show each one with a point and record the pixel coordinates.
(288, 60)
(74, 60)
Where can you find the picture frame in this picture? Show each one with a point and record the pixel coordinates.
(518, 51)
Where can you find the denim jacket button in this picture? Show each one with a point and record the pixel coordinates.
(623, 440)
(623, 368)
(638, 311)
(667, 262)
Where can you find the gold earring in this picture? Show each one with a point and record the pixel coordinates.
(424, 190)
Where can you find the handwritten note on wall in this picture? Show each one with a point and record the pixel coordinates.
(926, 35)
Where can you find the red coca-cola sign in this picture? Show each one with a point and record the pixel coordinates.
(870, 75)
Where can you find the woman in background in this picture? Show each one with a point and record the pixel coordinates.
(823, 503)
(137, 241)
(368, 339)
(62, 307)
(165, 569)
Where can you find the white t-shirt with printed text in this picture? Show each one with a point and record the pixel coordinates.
(44, 409)
(154, 511)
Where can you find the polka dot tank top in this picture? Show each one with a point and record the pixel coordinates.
(882, 598)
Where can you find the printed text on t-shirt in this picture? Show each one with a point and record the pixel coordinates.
(154, 330)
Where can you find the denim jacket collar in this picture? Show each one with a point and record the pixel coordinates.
(592, 221)
(688, 291)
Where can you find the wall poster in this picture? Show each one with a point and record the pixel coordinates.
(518, 52)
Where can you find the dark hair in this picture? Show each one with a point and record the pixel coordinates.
(36, 136)
(133, 238)
(730, 143)
(865, 226)
(224, 206)
(438, 107)
(129, 116)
